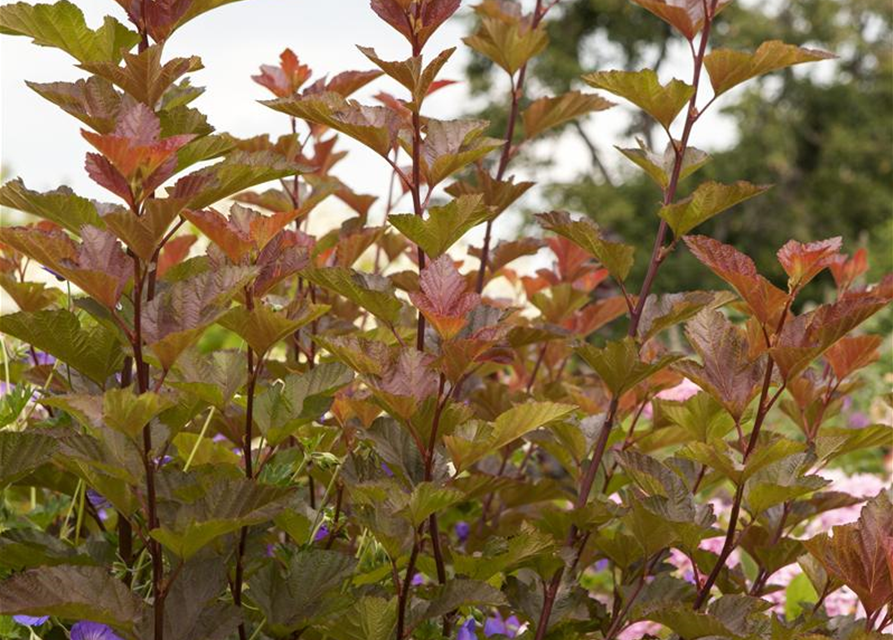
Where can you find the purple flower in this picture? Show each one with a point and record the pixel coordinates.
(322, 533)
(858, 420)
(86, 630)
(495, 625)
(44, 358)
(387, 470)
(462, 530)
(31, 621)
(602, 564)
(466, 631)
(219, 437)
(271, 550)
(417, 580)
(99, 503)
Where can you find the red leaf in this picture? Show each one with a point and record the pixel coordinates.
(174, 252)
(765, 300)
(135, 151)
(411, 376)
(727, 373)
(846, 270)
(105, 175)
(287, 78)
(858, 553)
(444, 298)
(401, 16)
(852, 353)
(808, 336)
(803, 262)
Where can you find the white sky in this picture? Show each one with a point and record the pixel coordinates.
(43, 145)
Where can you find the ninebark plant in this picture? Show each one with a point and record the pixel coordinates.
(386, 451)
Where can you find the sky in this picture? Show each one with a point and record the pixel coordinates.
(41, 144)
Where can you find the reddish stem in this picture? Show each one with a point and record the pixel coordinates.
(517, 92)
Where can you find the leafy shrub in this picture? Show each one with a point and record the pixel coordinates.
(388, 452)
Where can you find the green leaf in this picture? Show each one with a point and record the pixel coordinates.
(124, 411)
(61, 206)
(548, 112)
(476, 440)
(192, 608)
(143, 76)
(510, 43)
(92, 350)
(375, 127)
(836, 441)
(727, 617)
(142, 234)
(94, 100)
(619, 366)
(21, 452)
(370, 618)
(444, 225)
(29, 548)
(62, 25)
(462, 593)
(449, 145)
(702, 416)
(780, 482)
(227, 506)
(798, 593)
(304, 588)
(659, 167)
(728, 68)
(279, 410)
(708, 200)
(261, 327)
(521, 550)
(370, 292)
(204, 148)
(662, 312)
(239, 171)
(410, 72)
(617, 258)
(428, 498)
(643, 89)
(718, 455)
(73, 592)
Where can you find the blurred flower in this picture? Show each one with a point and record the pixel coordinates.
(387, 470)
(639, 629)
(466, 631)
(463, 529)
(31, 621)
(602, 564)
(682, 391)
(418, 579)
(99, 503)
(496, 625)
(858, 420)
(322, 533)
(86, 630)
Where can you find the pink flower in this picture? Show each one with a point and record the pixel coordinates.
(682, 391)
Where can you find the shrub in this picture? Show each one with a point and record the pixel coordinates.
(385, 451)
